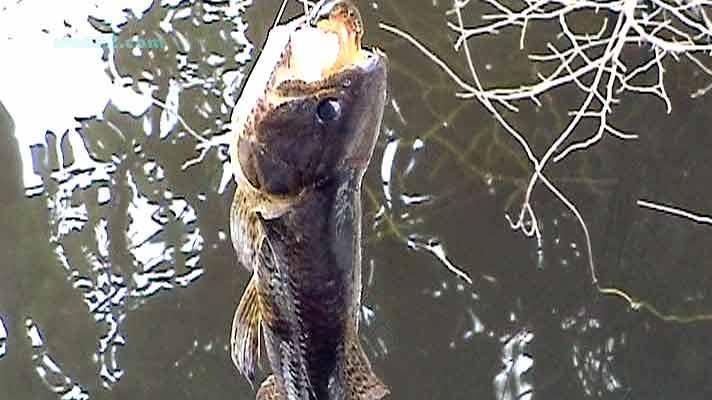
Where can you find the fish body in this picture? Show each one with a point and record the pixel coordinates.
(305, 133)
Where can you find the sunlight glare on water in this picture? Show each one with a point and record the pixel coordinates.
(121, 280)
(3, 338)
(49, 371)
(85, 177)
(80, 74)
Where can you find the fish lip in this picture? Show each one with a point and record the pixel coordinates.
(325, 8)
(375, 58)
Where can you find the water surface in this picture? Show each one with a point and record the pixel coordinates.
(119, 279)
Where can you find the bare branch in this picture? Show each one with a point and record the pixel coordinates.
(678, 212)
(594, 63)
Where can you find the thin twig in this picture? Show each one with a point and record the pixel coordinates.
(593, 63)
(678, 212)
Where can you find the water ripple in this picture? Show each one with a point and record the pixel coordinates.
(3, 339)
(49, 370)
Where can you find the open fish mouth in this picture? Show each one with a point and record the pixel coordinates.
(309, 50)
(312, 105)
(305, 128)
(328, 42)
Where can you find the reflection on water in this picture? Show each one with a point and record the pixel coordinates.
(594, 354)
(396, 217)
(3, 338)
(515, 379)
(126, 279)
(48, 369)
(83, 199)
(119, 228)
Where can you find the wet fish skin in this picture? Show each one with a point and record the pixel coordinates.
(291, 149)
(296, 223)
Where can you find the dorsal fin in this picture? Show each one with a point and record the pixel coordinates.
(246, 332)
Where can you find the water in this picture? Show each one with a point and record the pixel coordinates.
(120, 281)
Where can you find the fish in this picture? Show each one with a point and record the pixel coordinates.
(305, 128)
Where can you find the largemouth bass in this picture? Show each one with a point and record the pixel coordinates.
(305, 129)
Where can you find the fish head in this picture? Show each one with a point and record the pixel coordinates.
(319, 114)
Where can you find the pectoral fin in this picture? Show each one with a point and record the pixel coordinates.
(246, 332)
(363, 383)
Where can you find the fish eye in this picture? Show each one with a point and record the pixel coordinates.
(328, 109)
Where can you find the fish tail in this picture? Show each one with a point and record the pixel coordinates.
(246, 332)
(358, 378)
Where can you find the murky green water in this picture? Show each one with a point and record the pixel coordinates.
(119, 280)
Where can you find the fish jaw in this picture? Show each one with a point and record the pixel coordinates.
(305, 134)
(288, 148)
(354, 76)
(342, 18)
(366, 131)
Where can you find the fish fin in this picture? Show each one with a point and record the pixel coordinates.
(244, 228)
(363, 384)
(246, 332)
(269, 390)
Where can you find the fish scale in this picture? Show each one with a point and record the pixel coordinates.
(296, 214)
